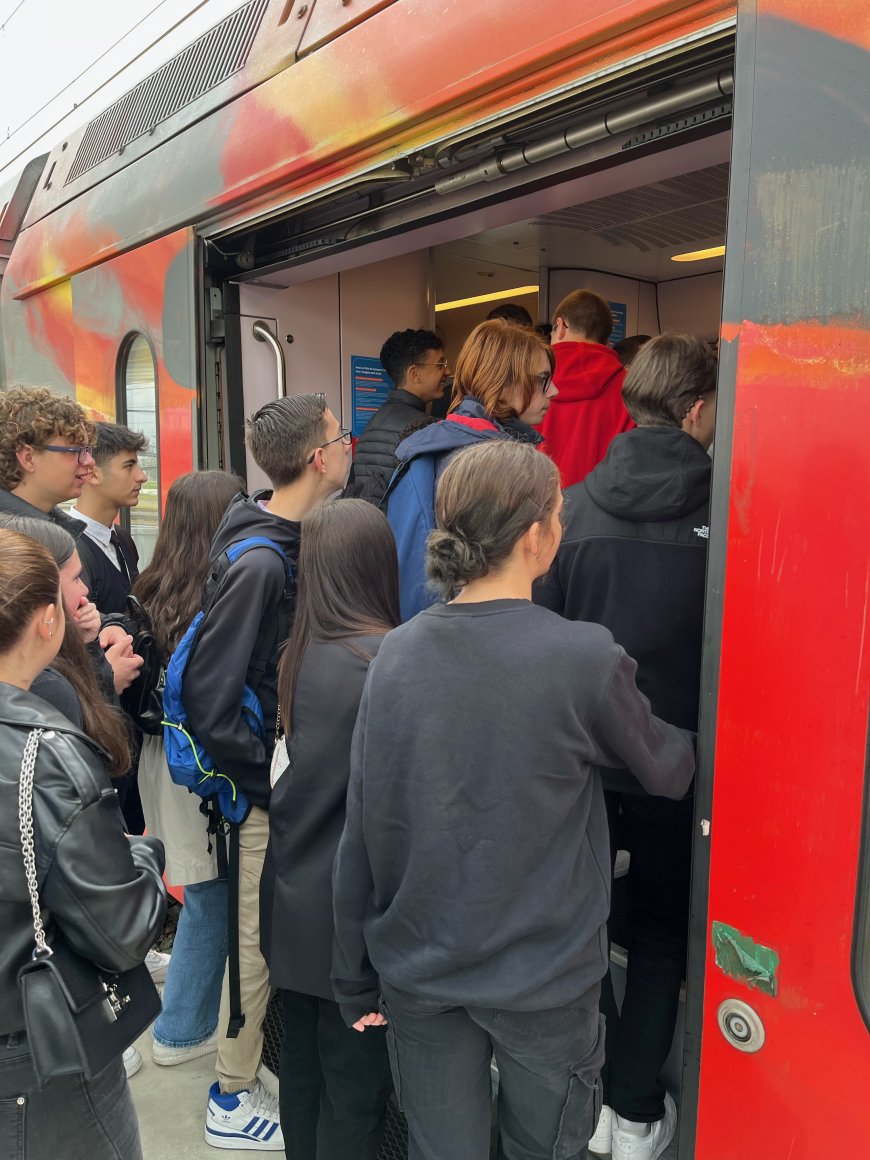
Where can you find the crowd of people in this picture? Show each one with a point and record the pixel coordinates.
(474, 644)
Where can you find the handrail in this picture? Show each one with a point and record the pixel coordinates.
(262, 333)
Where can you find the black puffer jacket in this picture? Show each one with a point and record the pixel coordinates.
(374, 459)
(101, 889)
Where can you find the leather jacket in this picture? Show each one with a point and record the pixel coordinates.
(102, 890)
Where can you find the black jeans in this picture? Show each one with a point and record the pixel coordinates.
(548, 1064)
(72, 1116)
(334, 1083)
(658, 834)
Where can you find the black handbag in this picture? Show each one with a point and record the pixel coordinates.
(142, 700)
(78, 1017)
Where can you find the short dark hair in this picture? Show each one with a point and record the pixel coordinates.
(587, 313)
(404, 348)
(283, 434)
(110, 439)
(510, 312)
(628, 348)
(670, 373)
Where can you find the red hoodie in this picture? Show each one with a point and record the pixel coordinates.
(588, 410)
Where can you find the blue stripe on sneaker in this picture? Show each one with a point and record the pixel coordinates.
(272, 1131)
(250, 1125)
(258, 1131)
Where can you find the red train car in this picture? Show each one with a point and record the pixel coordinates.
(309, 176)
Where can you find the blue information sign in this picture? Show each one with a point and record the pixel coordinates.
(369, 386)
(620, 322)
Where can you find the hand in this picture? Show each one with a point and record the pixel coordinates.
(373, 1019)
(87, 619)
(114, 634)
(125, 663)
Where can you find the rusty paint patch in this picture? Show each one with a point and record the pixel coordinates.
(739, 957)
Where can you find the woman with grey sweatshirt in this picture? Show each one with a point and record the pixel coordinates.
(471, 884)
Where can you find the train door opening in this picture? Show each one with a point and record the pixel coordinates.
(647, 233)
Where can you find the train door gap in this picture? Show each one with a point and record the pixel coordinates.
(614, 232)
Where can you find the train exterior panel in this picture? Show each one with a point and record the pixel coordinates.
(329, 94)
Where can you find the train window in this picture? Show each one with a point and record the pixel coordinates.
(137, 407)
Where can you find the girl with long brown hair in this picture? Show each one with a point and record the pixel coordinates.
(171, 590)
(99, 890)
(334, 1083)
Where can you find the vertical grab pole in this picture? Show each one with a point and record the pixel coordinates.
(263, 334)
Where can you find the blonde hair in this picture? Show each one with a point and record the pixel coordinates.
(496, 358)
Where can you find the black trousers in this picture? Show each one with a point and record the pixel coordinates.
(334, 1083)
(548, 1065)
(658, 834)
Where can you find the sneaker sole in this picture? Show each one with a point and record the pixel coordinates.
(135, 1069)
(181, 1055)
(237, 1142)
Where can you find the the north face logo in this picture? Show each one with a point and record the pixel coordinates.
(703, 532)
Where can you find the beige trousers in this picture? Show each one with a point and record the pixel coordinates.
(238, 1060)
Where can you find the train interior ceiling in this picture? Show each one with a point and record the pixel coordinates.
(615, 230)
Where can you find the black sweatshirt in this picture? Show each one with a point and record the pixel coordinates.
(246, 606)
(306, 815)
(634, 558)
(474, 865)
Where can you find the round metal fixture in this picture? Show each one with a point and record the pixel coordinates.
(741, 1025)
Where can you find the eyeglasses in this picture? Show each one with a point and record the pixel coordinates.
(345, 436)
(441, 364)
(81, 453)
(544, 381)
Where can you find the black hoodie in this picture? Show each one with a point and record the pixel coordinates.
(634, 558)
(247, 604)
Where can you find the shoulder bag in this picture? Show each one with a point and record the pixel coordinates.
(78, 1017)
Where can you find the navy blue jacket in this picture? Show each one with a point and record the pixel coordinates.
(410, 499)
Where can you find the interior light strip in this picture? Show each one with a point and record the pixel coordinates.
(494, 296)
(698, 255)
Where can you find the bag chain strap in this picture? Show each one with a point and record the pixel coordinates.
(25, 823)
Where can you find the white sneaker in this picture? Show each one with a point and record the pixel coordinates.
(157, 964)
(166, 1056)
(244, 1120)
(600, 1142)
(132, 1061)
(629, 1146)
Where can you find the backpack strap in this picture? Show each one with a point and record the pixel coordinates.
(237, 1016)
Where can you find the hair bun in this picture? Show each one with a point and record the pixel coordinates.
(452, 560)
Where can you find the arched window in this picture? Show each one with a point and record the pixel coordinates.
(137, 408)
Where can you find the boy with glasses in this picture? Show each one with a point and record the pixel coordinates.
(300, 446)
(414, 360)
(45, 454)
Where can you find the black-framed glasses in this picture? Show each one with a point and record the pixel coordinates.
(345, 436)
(81, 453)
(544, 381)
(441, 365)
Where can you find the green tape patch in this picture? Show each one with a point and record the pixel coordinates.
(742, 959)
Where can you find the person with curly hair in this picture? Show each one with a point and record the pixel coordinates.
(45, 454)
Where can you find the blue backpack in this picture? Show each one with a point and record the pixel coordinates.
(189, 762)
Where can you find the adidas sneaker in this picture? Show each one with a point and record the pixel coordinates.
(244, 1120)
